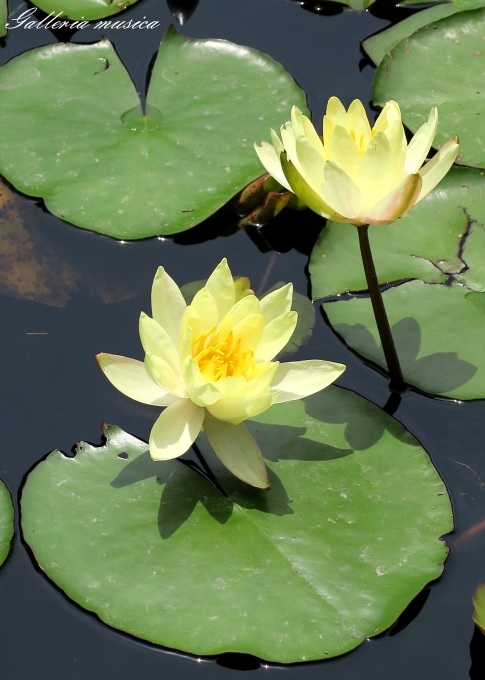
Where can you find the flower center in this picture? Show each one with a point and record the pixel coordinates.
(221, 356)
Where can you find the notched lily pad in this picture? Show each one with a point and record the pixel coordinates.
(345, 538)
(441, 65)
(6, 522)
(102, 163)
(84, 9)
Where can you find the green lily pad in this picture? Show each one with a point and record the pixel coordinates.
(424, 244)
(345, 538)
(3, 18)
(479, 605)
(377, 46)
(438, 332)
(441, 65)
(6, 522)
(102, 164)
(84, 9)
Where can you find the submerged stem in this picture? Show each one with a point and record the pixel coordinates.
(397, 381)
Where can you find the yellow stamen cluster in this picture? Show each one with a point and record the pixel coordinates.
(221, 356)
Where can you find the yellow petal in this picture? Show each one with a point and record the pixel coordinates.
(276, 336)
(310, 163)
(343, 151)
(156, 340)
(305, 193)
(206, 308)
(340, 192)
(420, 144)
(303, 127)
(236, 409)
(237, 450)
(163, 375)
(168, 304)
(289, 143)
(201, 391)
(298, 379)
(375, 176)
(175, 430)
(277, 302)
(434, 171)
(395, 204)
(249, 330)
(269, 155)
(357, 121)
(221, 284)
(130, 378)
(390, 114)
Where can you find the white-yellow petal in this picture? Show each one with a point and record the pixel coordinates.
(162, 373)
(131, 379)
(276, 336)
(396, 203)
(269, 155)
(236, 409)
(420, 144)
(357, 121)
(221, 284)
(206, 308)
(298, 379)
(237, 450)
(156, 340)
(341, 194)
(277, 302)
(168, 304)
(175, 430)
(434, 171)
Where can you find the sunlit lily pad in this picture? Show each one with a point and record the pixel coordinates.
(345, 538)
(438, 331)
(377, 46)
(441, 65)
(3, 18)
(424, 244)
(6, 522)
(84, 9)
(479, 604)
(103, 165)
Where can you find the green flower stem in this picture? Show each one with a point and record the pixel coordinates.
(397, 381)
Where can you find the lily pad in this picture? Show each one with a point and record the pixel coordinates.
(84, 9)
(3, 18)
(103, 164)
(479, 604)
(377, 46)
(6, 522)
(345, 538)
(424, 244)
(438, 332)
(441, 65)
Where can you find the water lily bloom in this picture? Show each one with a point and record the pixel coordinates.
(355, 173)
(210, 363)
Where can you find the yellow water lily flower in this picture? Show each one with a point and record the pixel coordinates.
(211, 364)
(355, 173)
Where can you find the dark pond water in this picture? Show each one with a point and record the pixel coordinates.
(54, 395)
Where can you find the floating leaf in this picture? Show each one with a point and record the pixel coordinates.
(3, 18)
(438, 331)
(479, 604)
(423, 244)
(6, 522)
(377, 46)
(441, 65)
(84, 9)
(101, 163)
(345, 538)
